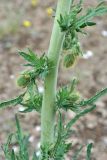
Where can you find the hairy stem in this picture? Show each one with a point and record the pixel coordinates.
(48, 107)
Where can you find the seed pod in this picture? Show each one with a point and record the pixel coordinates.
(23, 80)
(69, 60)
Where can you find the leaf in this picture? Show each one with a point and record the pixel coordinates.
(94, 98)
(73, 84)
(13, 155)
(87, 24)
(22, 141)
(11, 102)
(89, 148)
(91, 13)
(6, 147)
(33, 55)
(79, 115)
(102, 3)
(26, 56)
(19, 131)
(30, 57)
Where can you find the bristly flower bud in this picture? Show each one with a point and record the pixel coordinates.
(69, 60)
(75, 96)
(23, 79)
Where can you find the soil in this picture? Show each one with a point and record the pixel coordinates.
(92, 72)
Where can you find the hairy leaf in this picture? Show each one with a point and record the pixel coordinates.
(12, 102)
(79, 115)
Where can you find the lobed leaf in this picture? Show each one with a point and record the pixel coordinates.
(93, 99)
(30, 57)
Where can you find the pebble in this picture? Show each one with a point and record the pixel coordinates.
(21, 108)
(91, 125)
(31, 139)
(12, 76)
(88, 54)
(37, 128)
(15, 148)
(41, 89)
(104, 33)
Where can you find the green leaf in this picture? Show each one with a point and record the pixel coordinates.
(79, 115)
(91, 13)
(93, 99)
(12, 102)
(89, 148)
(6, 147)
(22, 141)
(87, 24)
(102, 3)
(19, 131)
(73, 84)
(27, 57)
(30, 57)
(13, 155)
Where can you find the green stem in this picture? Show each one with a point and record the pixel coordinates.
(48, 107)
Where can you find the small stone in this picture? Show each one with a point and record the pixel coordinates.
(38, 128)
(12, 76)
(21, 108)
(88, 54)
(104, 33)
(31, 138)
(71, 114)
(91, 125)
(15, 148)
(41, 89)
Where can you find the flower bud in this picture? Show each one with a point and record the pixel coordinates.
(69, 60)
(23, 80)
(75, 96)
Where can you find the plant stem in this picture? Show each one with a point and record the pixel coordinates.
(50, 84)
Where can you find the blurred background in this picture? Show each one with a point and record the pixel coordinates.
(28, 23)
